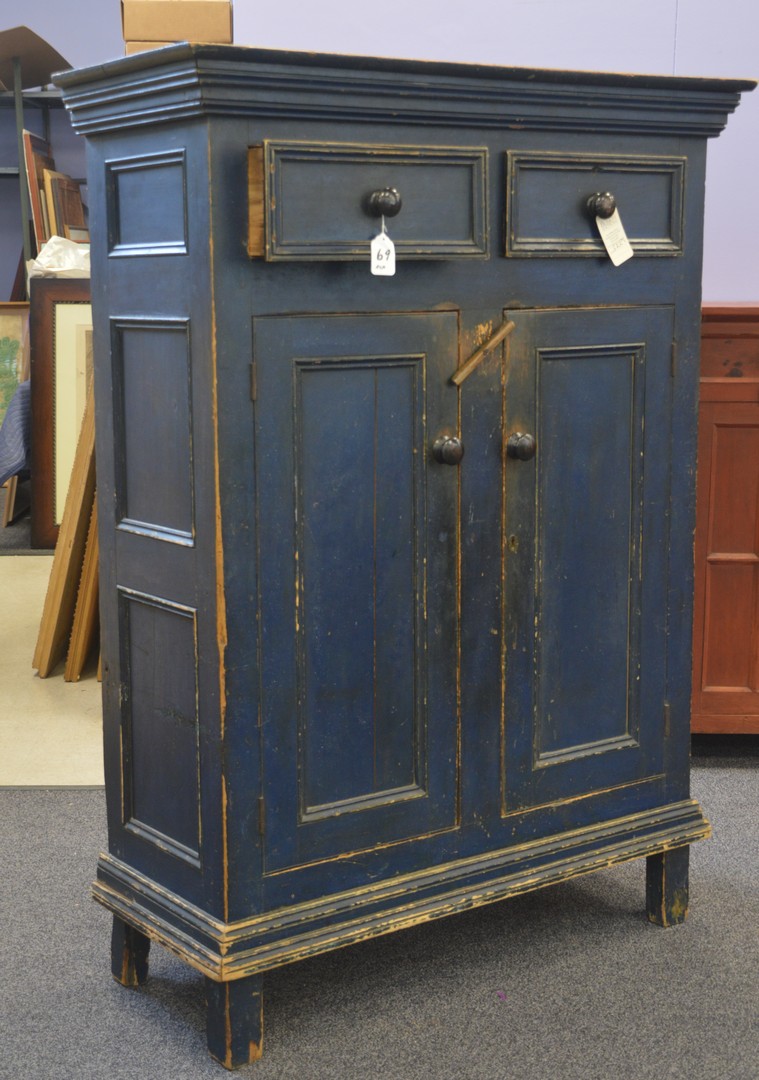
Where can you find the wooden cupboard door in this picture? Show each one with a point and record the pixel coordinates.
(586, 551)
(358, 550)
(726, 625)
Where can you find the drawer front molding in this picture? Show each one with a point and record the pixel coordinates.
(309, 200)
(546, 195)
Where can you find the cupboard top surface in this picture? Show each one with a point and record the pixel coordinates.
(286, 58)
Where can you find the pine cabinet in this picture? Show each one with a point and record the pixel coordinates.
(396, 570)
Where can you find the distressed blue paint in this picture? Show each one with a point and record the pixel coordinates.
(589, 489)
(357, 732)
(160, 723)
(335, 485)
(419, 687)
(358, 503)
(587, 646)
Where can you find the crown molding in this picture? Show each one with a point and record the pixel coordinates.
(185, 81)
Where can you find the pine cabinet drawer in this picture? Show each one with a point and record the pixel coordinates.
(547, 195)
(310, 201)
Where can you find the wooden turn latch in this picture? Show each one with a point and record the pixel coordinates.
(467, 368)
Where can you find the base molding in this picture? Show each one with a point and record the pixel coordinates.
(225, 951)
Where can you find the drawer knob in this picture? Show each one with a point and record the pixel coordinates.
(384, 203)
(448, 450)
(520, 446)
(602, 204)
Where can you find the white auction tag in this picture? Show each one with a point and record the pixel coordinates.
(615, 238)
(383, 255)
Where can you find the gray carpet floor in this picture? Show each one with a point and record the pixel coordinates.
(570, 982)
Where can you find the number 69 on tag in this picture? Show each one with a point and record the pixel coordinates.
(383, 255)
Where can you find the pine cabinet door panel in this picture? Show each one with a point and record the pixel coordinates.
(584, 685)
(357, 526)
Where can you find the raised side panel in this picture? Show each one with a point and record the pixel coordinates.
(153, 427)
(546, 212)
(160, 736)
(316, 193)
(147, 204)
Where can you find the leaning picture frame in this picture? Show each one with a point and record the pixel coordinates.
(37, 158)
(14, 351)
(63, 196)
(79, 234)
(14, 369)
(61, 367)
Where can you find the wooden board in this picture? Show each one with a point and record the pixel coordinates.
(85, 627)
(11, 486)
(256, 203)
(58, 610)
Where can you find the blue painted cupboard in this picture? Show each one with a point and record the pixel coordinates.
(396, 570)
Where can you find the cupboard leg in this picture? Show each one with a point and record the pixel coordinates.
(129, 954)
(235, 1020)
(667, 886)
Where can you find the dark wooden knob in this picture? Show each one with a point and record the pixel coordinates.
(602, 204)
(520, 446)
(448, 450)
(386, 202)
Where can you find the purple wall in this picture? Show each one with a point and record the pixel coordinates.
(684, 37)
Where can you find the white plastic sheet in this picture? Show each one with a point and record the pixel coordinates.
(60, 258)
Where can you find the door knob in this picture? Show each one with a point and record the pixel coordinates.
(520, 446)
(448, 450)
(601, 204)
(384, 203)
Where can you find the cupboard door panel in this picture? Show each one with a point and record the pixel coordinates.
(584, 687)
(358, 522)
(358, 659)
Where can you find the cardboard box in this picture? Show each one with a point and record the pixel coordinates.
(177, 20)
(142, 46)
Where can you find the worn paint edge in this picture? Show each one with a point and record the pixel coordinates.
(222, 637)
(228, 951)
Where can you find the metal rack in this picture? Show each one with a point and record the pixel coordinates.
(26, 61)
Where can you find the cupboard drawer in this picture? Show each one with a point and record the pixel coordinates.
(308, 201)
(546, 202)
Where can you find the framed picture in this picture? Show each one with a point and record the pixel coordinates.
(80, 235)
(64, 202)
(14, 351)
(38, 158)
(14, 369)
(61, 368)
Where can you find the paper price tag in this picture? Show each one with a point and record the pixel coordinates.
(615, 238)
(383, 255)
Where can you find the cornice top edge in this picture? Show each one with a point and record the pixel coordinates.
(185, 80)
(276, 58)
